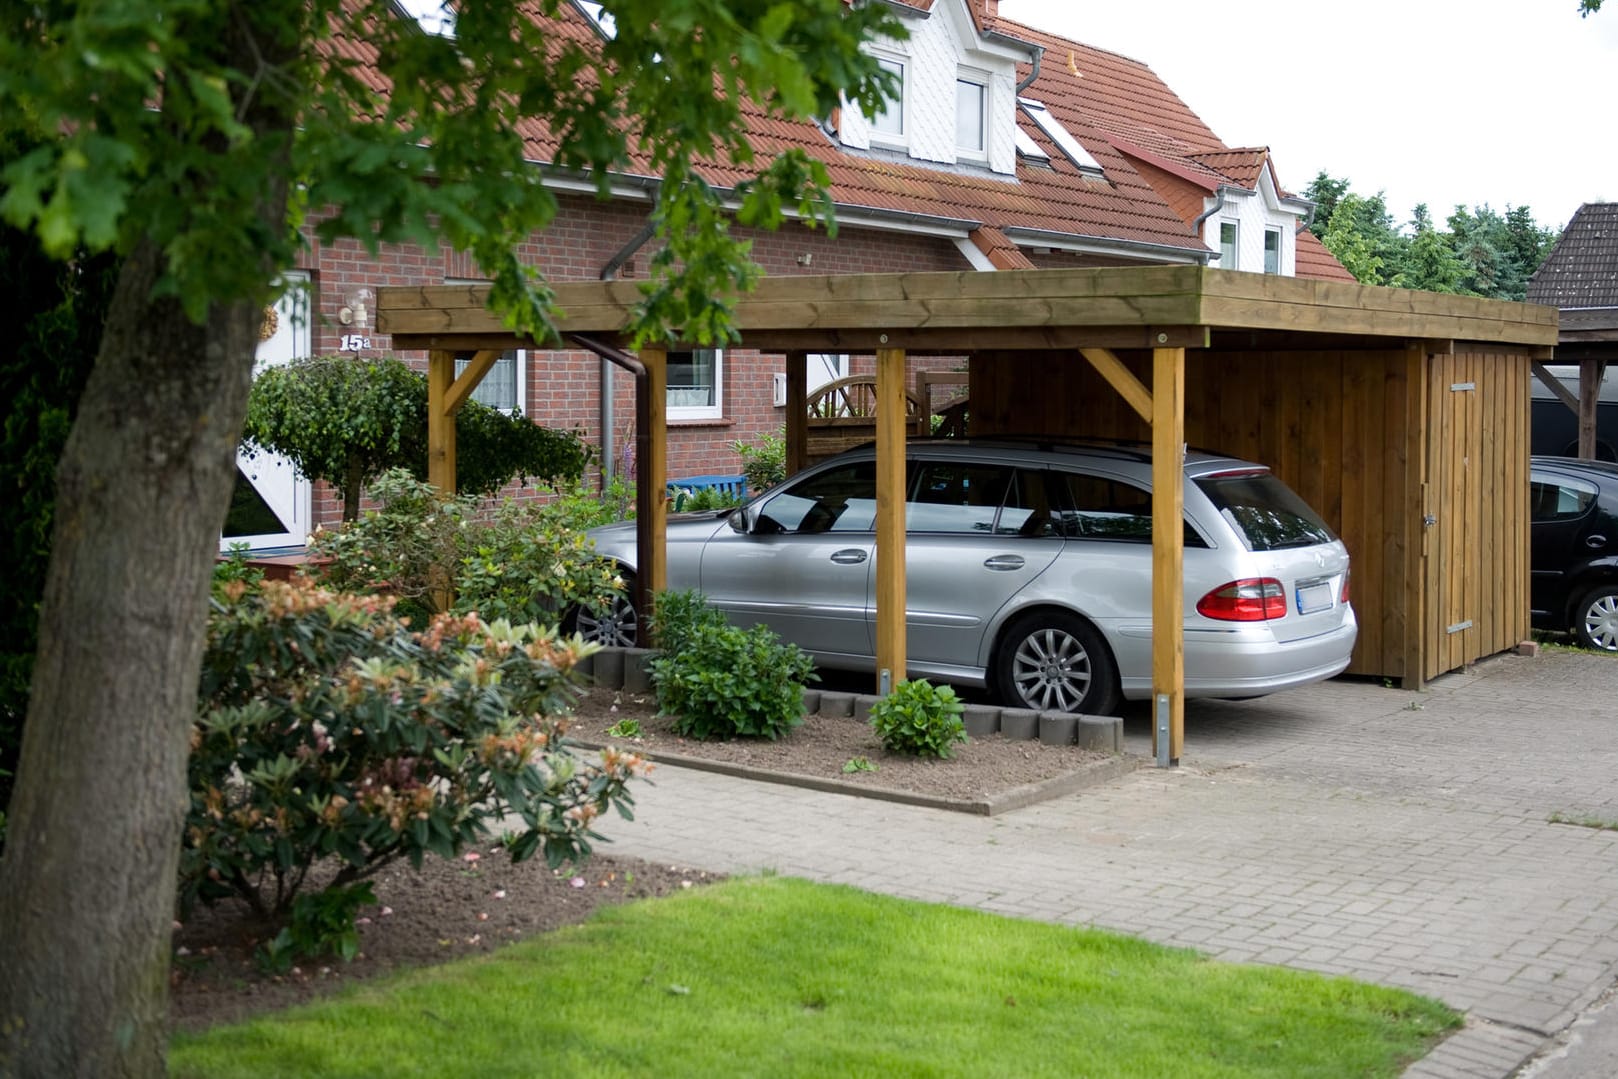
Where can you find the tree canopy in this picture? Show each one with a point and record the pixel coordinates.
(1479, 253)
(204, 144)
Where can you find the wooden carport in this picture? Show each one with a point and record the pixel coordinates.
(1402, 416)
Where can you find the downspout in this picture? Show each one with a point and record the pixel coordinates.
(1033, 73)
(609, 272)
(1219, 204)
(1307, 221)
(644, 494)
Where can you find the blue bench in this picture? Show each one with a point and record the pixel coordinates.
(733, 486)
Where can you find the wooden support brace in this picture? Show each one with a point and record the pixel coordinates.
(1128, 386)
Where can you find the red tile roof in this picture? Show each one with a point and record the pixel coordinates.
(1135, 127)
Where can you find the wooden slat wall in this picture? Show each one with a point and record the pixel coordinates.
(1346, 431)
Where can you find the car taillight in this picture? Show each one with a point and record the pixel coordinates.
(1343, 599)
(1253, 599)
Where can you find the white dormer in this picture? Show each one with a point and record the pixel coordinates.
(1255, 229)
(958, 100)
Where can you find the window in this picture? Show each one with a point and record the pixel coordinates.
(842, 500)
(1096, 508)
(1559, 499)
(1264, 511)
(1272, 250)
(502, 387)
(889, 124)
(695, 384)
(1227, 245)
(949, 497)
(970, 97)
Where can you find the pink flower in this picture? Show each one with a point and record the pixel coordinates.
(471, 856)
(577, 882)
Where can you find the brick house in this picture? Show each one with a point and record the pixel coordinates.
(1008, 148)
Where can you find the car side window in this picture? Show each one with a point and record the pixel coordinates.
(949, 496)
(839, 500)
(1559, 499)
(1098, 508)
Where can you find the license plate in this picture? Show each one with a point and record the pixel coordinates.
(1314, 597)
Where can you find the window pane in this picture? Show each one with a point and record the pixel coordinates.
(1264, 511)
(1093, 508)
(1272, 251)
(1227, 245)
(948, 497)
(842, 500)
(890, 121)
(968, 115)
(499, 387)
(693, 379)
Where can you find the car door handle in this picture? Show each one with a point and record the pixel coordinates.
(1597, 542)
(848, 556)
(1004, 562)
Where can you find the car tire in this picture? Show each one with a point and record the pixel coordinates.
(619, 626)
(1056, 662)
(1595, 619)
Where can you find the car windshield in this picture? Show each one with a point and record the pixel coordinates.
(1264, 511)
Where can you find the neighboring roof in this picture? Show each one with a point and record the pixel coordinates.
(1582, 269)
(1117, 108)
(1316, 262)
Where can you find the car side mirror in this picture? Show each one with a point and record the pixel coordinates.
(738, 520)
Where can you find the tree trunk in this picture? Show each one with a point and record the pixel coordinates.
(87, 883)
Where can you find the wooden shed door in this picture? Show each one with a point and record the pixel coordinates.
(1454, 387)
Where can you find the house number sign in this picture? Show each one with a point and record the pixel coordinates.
(354, 342)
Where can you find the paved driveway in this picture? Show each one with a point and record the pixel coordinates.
(1402, 838)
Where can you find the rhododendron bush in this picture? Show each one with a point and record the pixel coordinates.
(328, 728)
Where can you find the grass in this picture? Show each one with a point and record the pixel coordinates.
(1604, 824)
(775, 977)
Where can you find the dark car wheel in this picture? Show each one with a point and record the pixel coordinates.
(618, 626)
(1595, 619)
(1056, 663)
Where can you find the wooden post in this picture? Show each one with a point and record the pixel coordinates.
(797, 433)
(1591, 372)
(651, 482)
(440, 422)
(890, 515)
(1168, 547)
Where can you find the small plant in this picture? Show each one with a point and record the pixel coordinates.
(919, 718)
(1602, 824)
(858, 764)
(722, 682)
(235, 567)
(627, 727)
(322, 924)
(764, 464)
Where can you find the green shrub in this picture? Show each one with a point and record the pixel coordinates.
(526, 562)
(580, 507)
(919, 718)
(321, 924)
(722, 682)
(348, 420)
(703, 498)
(327, 729)
(764, 464)
(678, 613)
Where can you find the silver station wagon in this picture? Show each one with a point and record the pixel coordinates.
(1028, 570)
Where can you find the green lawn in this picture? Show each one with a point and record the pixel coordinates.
(780, 977)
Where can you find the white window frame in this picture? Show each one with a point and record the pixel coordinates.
(900, 139)
(1230, 254)
(712, 411)
(519, 367)
(1272, 256)
(979, 80)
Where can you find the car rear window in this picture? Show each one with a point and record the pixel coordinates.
(1265, 512)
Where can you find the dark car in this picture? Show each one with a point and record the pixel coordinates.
(1573, 506)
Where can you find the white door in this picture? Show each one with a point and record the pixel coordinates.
(271, 505)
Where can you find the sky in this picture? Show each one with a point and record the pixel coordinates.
(1472, 102)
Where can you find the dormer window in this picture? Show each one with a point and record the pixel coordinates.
(1272, 250)
(888, 126)
(971, 119)
(1227, 245)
